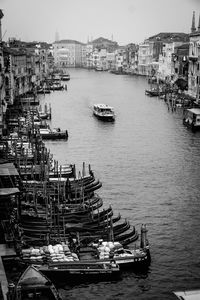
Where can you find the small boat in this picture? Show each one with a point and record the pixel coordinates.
(192, 119)
(104, 112)
(56, 86)
(55, 134)
(65, 77)
(154, 92)
(98, 68)
(31, 100)
(188, 295)
(77, 272)
(34, 285)
(43, 91)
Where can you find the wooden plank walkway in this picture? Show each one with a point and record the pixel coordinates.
(4, 250)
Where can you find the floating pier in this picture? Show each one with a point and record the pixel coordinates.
(4, 251)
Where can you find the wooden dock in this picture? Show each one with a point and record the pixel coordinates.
(4, 251)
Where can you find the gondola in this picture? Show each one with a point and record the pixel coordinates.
(79, 272)
(127, 238)
(33, 284)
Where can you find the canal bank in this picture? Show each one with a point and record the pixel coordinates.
(148, 163)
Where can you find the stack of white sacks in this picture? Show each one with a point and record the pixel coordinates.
(104, 248)
(49, 254)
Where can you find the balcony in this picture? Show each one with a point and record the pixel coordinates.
(193, 57)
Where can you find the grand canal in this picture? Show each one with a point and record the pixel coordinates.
(149, 165)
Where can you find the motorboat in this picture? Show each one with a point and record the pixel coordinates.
(192, 119)
(104, 112)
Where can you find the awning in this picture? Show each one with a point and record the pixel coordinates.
(181, 83)
(9, 191)
(8, 169)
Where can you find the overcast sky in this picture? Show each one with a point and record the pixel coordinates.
(125, 21)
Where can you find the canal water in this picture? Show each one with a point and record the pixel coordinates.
(149, 166)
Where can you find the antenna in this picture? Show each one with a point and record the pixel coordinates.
(4, 34)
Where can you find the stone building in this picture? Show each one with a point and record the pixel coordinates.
(68, 53)
(2, 81)
(194, 60)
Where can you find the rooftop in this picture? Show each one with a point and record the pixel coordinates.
(68, 42)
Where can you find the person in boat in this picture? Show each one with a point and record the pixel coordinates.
(113, 263)
(71, 241)
(111, 254)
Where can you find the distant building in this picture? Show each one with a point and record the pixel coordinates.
(166, 70)
(2, 81)
(157, 41)
(68, 53)
(102, 43)
(131, 52)
(145, 59)
(180, 61)
(194, 60)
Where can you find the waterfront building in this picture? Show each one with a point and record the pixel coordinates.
(44, 52)
(149, 52)
(89, 56)
(180, 61)
(84, 56)
(102, 43)
(103, 65)
(95, 58)
(167, 69)
(145, 59)
(111, 60)
(15, 74)
(68, 53)
(194, 60)
(119, 59)
(2, 87)
(131, 53)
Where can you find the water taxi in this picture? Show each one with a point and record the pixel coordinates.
(104, 112)
(192, 119)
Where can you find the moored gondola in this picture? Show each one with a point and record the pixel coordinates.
(33, 285)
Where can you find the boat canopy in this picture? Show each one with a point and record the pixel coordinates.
(8, 191)
(8, 169)
(188, 295)
(194, 111)
(103, 106)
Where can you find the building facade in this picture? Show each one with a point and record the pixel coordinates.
(68, 53)
(194, 60)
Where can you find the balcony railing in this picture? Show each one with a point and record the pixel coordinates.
(193, 57)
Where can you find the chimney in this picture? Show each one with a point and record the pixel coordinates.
(1, 16)
(193, 28)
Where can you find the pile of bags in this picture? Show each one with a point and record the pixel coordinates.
(106, 248)
(49, 254)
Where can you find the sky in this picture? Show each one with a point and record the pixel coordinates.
(124, 21)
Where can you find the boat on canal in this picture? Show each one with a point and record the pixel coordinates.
(154, 92)
(33, 285)
(137, 258)
(53, 134)
(78, 272)
(192, 119)
(104, 112)
(65, 77)
(188, 295)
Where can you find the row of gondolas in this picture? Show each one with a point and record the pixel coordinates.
(57, 223)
